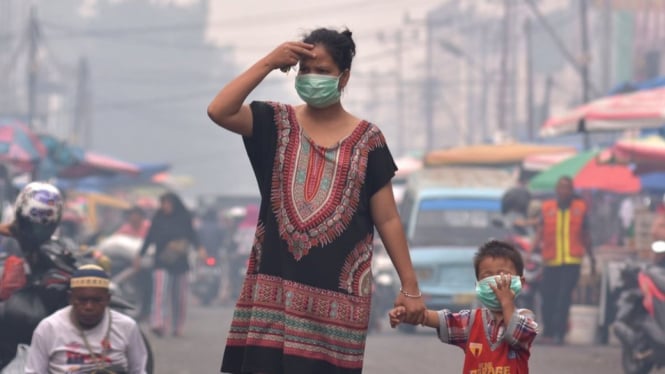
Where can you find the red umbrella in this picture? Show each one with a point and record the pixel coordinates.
(642, 109)
(646, 154)
(588, 173)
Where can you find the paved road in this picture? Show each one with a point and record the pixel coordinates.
(387, 351)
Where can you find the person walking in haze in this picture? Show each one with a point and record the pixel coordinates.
(324, 177)
(137, 225)
(172, 233)
(563, 238)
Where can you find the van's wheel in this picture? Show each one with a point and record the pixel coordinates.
(150, 364)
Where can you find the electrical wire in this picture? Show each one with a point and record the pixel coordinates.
(269, 18)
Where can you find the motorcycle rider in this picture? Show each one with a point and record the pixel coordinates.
(87, 334)
(37, 214)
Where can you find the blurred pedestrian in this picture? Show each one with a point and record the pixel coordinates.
(87, 336)
(212, 236)
(137, 225)
(496, 338)
(324, 177)
(172, 233)
(563, 238)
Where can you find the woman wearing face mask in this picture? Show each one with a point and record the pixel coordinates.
(324, 177)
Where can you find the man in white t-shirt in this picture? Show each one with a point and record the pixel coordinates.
(87, 336)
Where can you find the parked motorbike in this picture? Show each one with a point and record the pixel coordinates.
(45, 292)
(207, 279)
(640, 317)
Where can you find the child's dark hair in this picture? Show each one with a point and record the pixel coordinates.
(339, 45)
(499, 249)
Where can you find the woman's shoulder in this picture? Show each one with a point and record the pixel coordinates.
(270, 105)
(373, 134)
(272, 110)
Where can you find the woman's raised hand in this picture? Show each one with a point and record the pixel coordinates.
(289, 54)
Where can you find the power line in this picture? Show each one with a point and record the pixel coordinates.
(261, 19)
(167, 99)
(124, 104)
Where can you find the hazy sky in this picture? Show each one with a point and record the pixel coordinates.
(252, 28)
(256, 27)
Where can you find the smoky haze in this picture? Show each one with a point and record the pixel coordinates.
(432, 74)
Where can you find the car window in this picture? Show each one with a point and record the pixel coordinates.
(456, 222)
(458, 276)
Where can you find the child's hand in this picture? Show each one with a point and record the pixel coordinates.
(397, 316)
(502, 289)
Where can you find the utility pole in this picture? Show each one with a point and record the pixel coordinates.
(487, 84)
(33, 67)
(547, 94)
(584, 66)
(82, 126)
(399, 92)
(529, 79)
(503, 73)
(607, 45)
(429, 87)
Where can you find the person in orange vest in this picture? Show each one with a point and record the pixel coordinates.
(563, 239)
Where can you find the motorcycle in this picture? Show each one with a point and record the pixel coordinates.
(207, 279)
(46, 291)
(640, 316)
(529, 298)
(135, 286)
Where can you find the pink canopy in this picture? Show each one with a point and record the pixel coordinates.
(642, 109)
(95, 164)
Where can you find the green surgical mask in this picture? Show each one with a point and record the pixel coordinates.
(318, 90)
(487, 296)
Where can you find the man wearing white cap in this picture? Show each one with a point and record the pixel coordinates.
(87, 336)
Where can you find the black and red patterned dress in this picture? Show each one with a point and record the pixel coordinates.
(304, 306)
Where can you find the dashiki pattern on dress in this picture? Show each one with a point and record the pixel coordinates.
(305, 302)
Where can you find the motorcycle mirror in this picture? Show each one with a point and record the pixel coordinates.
(658, 246)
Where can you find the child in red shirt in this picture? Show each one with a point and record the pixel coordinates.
(496, 338)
